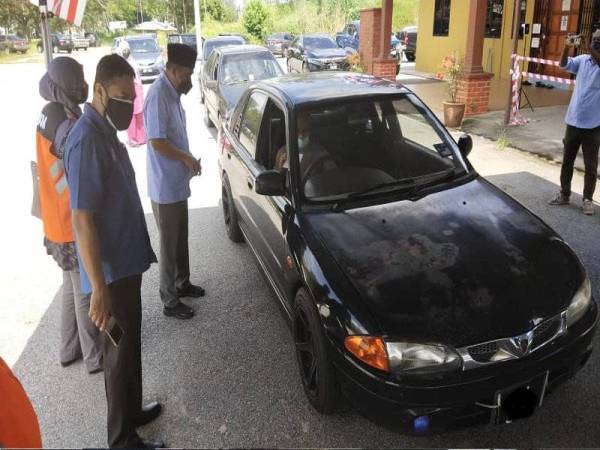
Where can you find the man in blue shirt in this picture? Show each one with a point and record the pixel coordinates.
(583, 123)
(113, 245)
(170, 166)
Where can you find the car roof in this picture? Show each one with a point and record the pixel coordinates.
(242, 48)
(224, 38)
(316, 35)
(137, 38)
(325, 86)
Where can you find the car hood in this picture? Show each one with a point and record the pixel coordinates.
(145, 58)
(460, 266)
(232, 92)
(326, 53)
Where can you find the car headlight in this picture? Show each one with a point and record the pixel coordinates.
(580, 303)
(314, 61)
(407, 357)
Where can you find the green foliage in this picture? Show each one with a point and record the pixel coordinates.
(217, 10)
(255, 19)
(19, 17)
(211, 28)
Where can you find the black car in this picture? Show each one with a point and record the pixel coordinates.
(60, 42)
(278, 43)
(93, 39)
(227, 74)
(315, 52)
(187, 39)
(422, 292)
(408, 42)
(208, 46)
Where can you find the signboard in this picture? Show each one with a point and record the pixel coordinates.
(566, 5)
(537, 28)
(564, 23)
(117, 25)
(535, 42)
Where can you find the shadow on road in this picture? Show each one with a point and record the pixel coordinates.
(228, 377)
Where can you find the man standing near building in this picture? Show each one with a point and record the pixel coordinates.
(583, 122)
(113, 245)
(170, 166)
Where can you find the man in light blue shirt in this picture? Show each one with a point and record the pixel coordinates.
(170, 166)
(583, 122)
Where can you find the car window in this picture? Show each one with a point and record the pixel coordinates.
(374, 145)
(209, 45)
(245, 67)
(143, 46)
(251, 120)
(319, 42)
(208, 70)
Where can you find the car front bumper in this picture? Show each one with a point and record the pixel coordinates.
(149, 74)
(328, 66)
(470, 399)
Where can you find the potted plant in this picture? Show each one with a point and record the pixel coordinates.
(454, 111)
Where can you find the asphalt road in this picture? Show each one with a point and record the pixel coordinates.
(228, 378)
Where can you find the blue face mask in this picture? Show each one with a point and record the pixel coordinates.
(302, 141)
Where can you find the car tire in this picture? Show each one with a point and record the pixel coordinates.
(70, 51)
(410, 57)
(209, 123)
(316, 370)
(230, 215)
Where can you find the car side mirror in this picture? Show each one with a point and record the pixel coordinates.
(465, 144)
(270, 182)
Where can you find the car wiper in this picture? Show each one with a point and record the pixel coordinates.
(413, 185)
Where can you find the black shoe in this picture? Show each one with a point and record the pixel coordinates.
(147, 443)
(191, 290)
(179, 311)
(149, 412)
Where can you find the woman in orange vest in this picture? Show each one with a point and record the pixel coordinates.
(19, 426)
(65, 88)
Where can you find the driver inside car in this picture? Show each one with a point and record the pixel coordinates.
(314, 159)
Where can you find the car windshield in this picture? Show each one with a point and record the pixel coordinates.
(188, 39)
(12, 37)
(248, 67)
(371, 147)
(209, 46)
(277, 36)
(143, 46)
(311, 43)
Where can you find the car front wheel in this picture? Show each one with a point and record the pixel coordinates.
(316, 370)
(230, 213)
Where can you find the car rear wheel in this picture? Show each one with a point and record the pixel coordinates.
(209, 123)
(410, 57)
(316, 370)
(230, 213)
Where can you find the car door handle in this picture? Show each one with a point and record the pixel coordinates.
(250, 182)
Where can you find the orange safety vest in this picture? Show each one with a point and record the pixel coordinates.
(53, 188)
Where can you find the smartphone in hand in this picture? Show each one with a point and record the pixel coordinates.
(114, 332)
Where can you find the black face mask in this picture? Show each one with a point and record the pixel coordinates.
(185, 87)
(119, 113)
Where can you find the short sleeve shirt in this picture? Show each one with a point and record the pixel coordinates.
(164, 118)
(585, 102)
(102, 180)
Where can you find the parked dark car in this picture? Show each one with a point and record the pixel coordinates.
(60, 43)
(315, 52)
(349, 37)
(408, 39)
(93, 39)
(278, 43)
(15, 44)
(228, 72)
(414, 286)
(208, 46)
(187, 39)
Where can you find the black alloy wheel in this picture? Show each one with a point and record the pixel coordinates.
(229, 213)
(316, 371)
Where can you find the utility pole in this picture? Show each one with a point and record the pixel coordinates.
(46, 43)
(198, 27)
(515, 43)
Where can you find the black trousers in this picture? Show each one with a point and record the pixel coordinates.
(589, 141)
(123, 364)
(174, 262)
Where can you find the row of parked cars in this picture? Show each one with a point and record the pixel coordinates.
(65, 42)
(13, 43)
(415, 288)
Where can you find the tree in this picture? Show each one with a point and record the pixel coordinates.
(256, 19)
(19, 16)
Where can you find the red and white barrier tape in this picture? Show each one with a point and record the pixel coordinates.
(548, 78)
(548, 62)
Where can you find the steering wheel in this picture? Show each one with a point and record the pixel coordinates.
(319, 161)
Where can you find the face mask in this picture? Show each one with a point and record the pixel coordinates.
(119, 113)
(302, 141)
(596, 45)
(185, 87)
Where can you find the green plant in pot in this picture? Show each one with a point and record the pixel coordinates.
(454, 111)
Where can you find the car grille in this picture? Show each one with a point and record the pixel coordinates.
(514, 347)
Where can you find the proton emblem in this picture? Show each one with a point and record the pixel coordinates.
(521, 344)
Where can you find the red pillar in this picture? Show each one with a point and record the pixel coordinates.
(474, 83)
(375, 36)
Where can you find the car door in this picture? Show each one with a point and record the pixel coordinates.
(210, 84)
